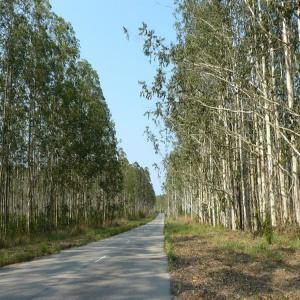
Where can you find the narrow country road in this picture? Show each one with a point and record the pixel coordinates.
(131, 265)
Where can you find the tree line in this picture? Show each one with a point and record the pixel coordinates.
(59, 160)
(228, 93)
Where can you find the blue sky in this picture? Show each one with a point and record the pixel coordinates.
(121, 63)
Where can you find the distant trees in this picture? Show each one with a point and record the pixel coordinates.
(59, 163)
(232, 109)
(138, 196)
(161, 203)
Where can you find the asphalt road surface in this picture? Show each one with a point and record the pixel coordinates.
(131, 265)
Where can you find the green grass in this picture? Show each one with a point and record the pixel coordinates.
(169, 245)
(23, 249)
(181, 227)
(255, 248)
(295, 244)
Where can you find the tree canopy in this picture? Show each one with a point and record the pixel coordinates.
(231, 107)
(59, 159)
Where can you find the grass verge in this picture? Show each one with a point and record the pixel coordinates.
(216, 263)
(22, 250)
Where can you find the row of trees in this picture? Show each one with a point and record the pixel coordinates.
(231, 107)
(137, 195)
(59, 163)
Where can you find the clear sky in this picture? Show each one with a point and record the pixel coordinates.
(120, 63)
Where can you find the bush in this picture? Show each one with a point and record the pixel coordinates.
(3, 244)
(44, 249)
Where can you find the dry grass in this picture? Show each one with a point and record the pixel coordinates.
(215, 263)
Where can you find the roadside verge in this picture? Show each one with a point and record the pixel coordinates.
(21, 250)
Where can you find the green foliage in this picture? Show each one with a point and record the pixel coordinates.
(226, 93)
(169, 247)
(137, 191)
(161, 204)
(59, 163)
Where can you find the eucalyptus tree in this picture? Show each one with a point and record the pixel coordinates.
(59, 162)
(137, 193)
(232, 108)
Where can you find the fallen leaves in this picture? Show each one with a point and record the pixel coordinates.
(203, 269)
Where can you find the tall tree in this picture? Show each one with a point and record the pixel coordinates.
(232, 111)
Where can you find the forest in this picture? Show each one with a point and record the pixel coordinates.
(60, 163)
(227, 93)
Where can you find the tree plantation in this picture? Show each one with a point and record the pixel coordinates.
(222, 111)
(59, 161)
(231, 108)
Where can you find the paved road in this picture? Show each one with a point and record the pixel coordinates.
(131, 265)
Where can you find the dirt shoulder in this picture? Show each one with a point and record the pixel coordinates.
(215, 263)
